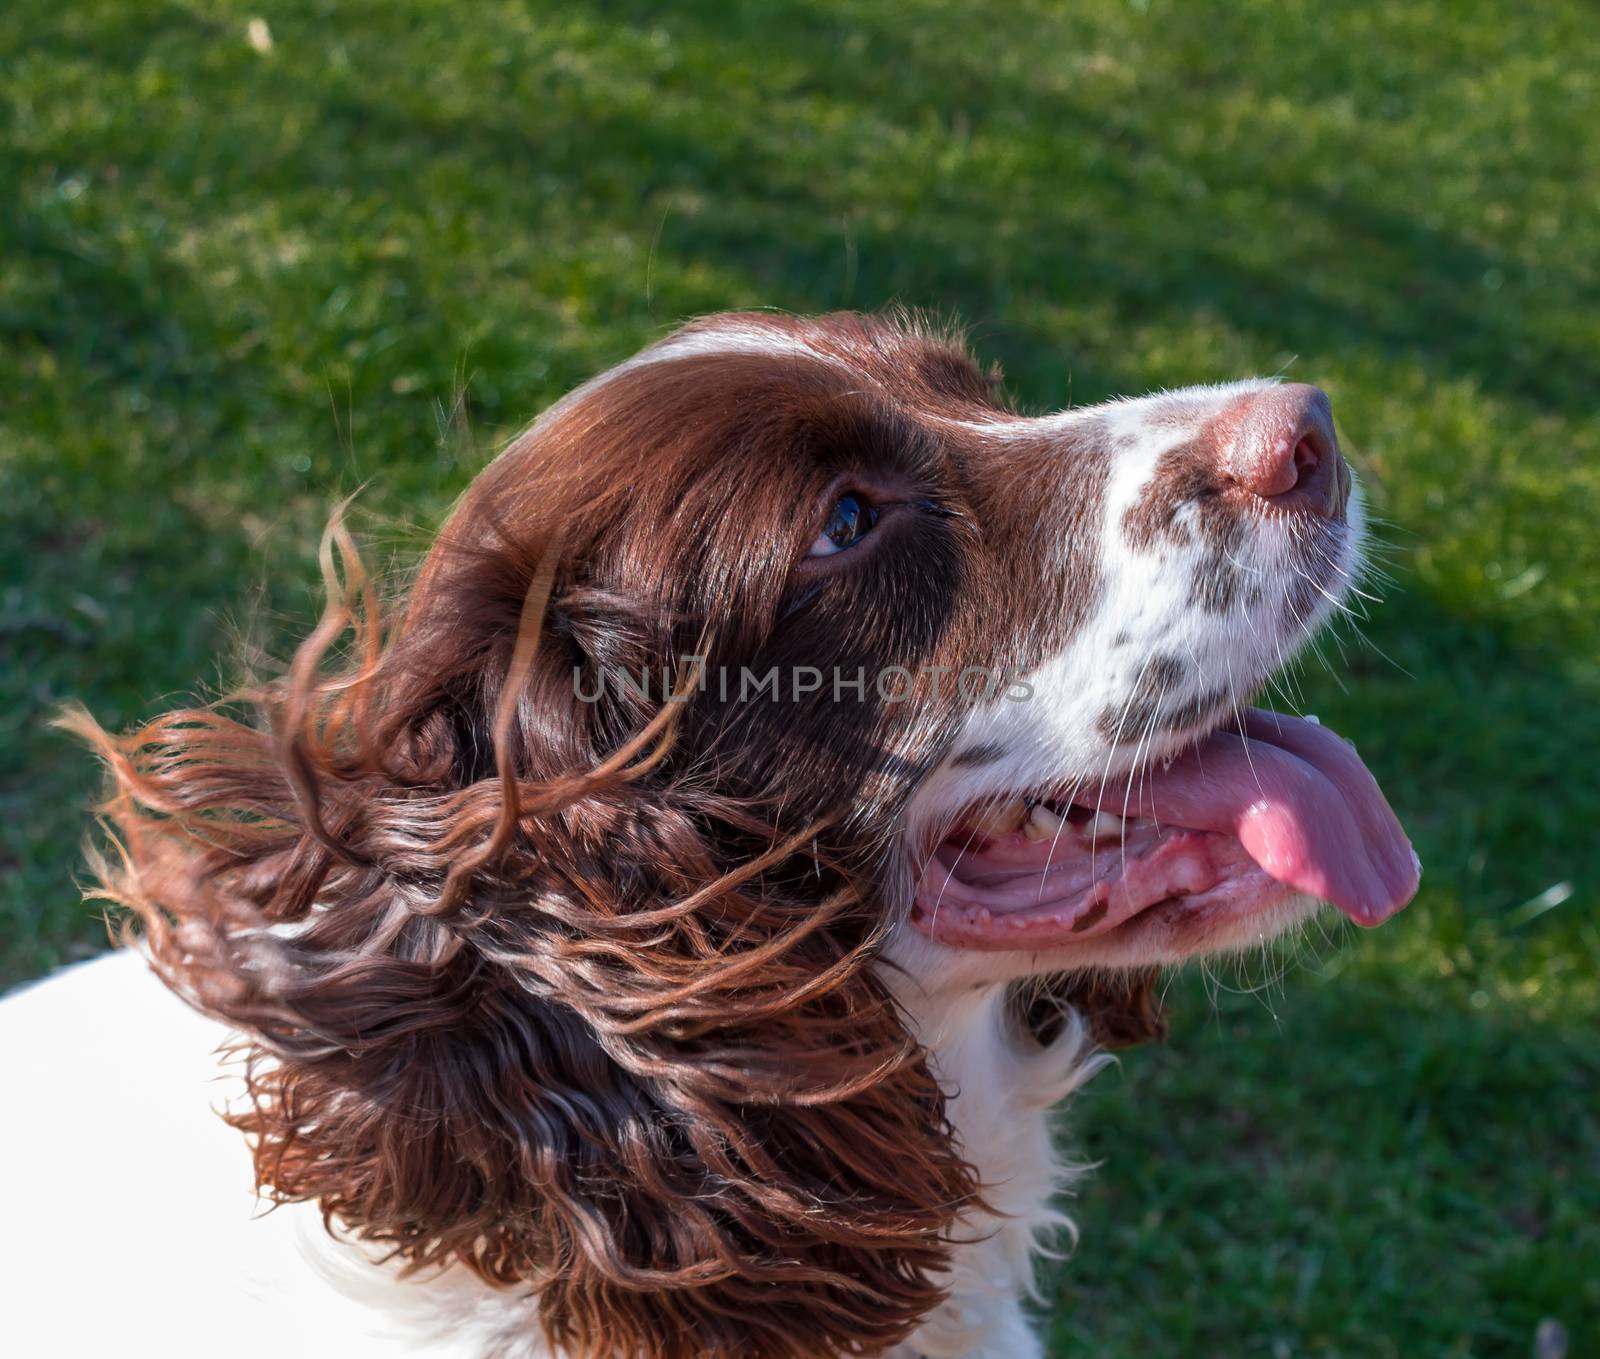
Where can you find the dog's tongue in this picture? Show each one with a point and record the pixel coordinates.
(1300, 801)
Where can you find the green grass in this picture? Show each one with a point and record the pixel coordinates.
(234, 286)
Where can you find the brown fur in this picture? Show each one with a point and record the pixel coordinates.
(542, 1025)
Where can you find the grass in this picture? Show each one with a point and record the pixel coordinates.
(236, 284)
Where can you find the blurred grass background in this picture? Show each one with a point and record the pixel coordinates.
(244, 270)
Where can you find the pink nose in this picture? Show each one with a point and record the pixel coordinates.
(1284, 450)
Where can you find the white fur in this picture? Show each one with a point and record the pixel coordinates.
(1003, 1086)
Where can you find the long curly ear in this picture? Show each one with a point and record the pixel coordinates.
(1121, 1009)
(594, 1034)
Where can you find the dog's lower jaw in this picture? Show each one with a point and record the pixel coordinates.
(1002, 1087)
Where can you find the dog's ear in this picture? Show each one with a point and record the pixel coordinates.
(1120, 1009)
(584, 1030)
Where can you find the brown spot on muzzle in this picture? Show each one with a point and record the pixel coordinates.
(1180, 478)
(1185, 477)
(1154, 706)
(1217, 585)
(989, 753)
(1158, 676)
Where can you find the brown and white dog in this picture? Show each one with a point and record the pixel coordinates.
(631, 950)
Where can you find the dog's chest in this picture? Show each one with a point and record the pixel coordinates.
(1002, 1088)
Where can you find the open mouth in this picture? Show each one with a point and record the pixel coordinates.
(1255, 813)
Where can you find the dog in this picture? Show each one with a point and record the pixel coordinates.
(666, 931)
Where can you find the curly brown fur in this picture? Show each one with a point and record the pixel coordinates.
(518, 995)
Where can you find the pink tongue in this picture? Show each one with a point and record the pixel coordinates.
(1299, 800)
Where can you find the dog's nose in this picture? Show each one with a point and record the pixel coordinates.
(1284, 450)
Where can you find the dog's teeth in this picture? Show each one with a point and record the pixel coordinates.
(1002, 818)
(1042, 824)
(1102, 826)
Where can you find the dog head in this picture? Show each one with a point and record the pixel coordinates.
(778, 660)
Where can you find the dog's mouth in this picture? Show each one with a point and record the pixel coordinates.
(1258, 811)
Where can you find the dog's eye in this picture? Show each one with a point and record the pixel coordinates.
(852, 519)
